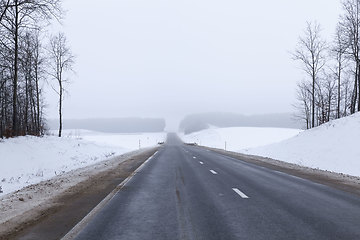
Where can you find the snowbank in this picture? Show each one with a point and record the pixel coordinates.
(333, 146)
(237, 138)
(29, 160)
(128, 141)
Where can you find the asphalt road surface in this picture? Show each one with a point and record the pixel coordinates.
(186, 192)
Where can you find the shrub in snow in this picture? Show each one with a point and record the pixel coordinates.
(40, 173)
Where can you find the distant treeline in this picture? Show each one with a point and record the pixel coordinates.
(114, 125)
(198, 122)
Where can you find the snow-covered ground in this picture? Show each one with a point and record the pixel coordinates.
(236, 138)
(29, 160)
(127, 140)
(333, 146)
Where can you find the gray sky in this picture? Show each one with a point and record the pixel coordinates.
(168, 58)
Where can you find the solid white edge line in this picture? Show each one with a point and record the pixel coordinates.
(213, 172)
(142, 165)
(82, 224)
(240, 193)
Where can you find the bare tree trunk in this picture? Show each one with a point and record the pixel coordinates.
(354, 98)
(339, 50)
(15, 81)
(60, 108)
(37, 64)
(346, 98)
(358, 85)
(313, 101)
(38, 123)
(339, 92)
(26, 114)
(329, 109)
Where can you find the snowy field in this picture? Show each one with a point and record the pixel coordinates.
(29, 160)
(239, 138)
(333, 146)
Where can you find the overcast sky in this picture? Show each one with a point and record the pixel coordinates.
(169, 58)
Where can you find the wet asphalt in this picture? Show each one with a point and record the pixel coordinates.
(188, 192)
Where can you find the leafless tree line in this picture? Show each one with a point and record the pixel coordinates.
(25, 57)
(332, 88)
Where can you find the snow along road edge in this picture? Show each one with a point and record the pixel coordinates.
(82, 224)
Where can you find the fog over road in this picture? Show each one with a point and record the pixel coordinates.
(187, 192)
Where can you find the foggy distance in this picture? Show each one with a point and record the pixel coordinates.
(170, 59)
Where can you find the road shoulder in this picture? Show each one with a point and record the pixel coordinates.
(50, 209)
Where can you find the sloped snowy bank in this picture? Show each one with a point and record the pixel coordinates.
(333, 146)
(29, 160)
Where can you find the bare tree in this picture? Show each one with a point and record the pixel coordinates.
(329, 86)
(303, 106)
(346, 86)
(338, 51)
(350, 25)
(31, 62)
(19, 16)
(21, 64)
(61, 62)
(311, 53)
(38, 73)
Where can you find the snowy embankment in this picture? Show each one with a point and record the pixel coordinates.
(29, 160)
(332, 146)
(236, 138)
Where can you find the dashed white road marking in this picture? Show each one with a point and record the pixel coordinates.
(194, 157)
(241, 194)
(201, 163)
(213, 172)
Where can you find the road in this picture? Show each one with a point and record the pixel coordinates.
(187, 192)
